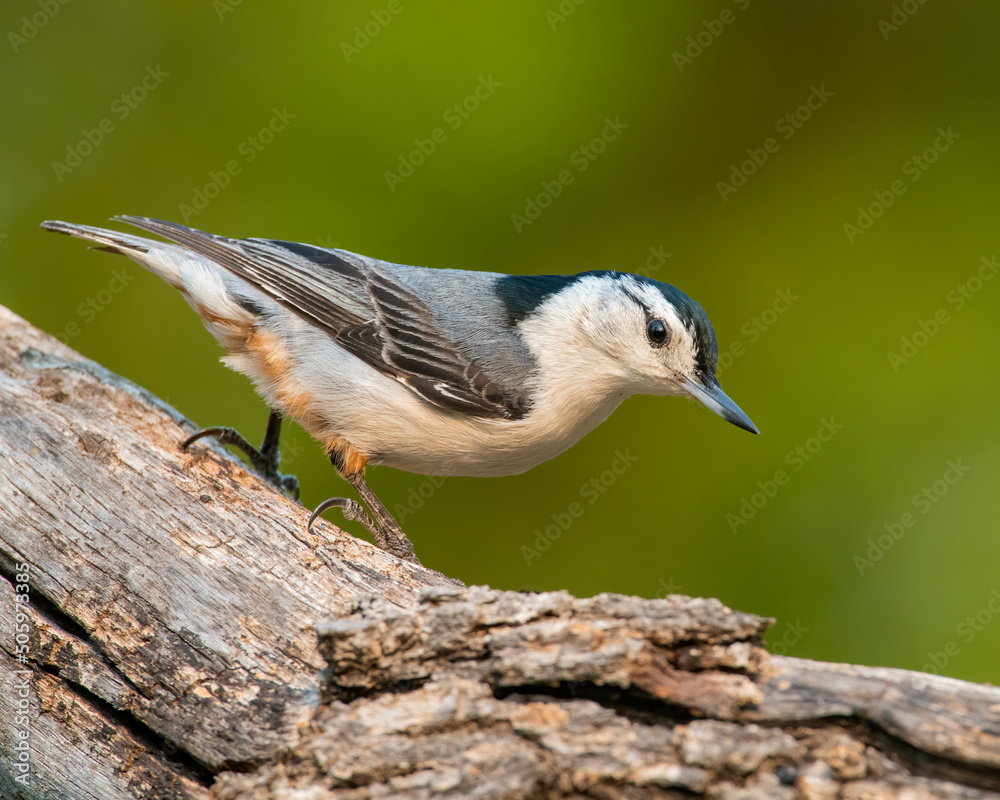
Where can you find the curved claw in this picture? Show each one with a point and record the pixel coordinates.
(352, 510)
(194, 437)
(333, 502)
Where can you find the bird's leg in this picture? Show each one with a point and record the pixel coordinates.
(395, 540)
(387, 534)
(265, 460)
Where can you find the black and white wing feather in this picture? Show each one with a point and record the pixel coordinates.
(396, 334)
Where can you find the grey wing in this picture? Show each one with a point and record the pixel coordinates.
(381, 321)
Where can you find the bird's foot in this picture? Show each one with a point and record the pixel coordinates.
(392, 540)
(264, 461)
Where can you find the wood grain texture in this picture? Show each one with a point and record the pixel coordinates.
(187, 638)
(487, 694)
(183, 590)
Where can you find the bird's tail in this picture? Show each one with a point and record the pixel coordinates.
(158, 257)
(204, 284)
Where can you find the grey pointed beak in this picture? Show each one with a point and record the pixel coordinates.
(714, 399)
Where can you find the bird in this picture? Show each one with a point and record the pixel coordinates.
(431, 371)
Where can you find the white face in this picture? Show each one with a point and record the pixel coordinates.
(642, 333)
(612, 335)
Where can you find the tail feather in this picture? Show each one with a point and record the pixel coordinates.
(205, 285)
(110, 241)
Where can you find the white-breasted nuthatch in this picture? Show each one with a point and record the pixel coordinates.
(434, 371)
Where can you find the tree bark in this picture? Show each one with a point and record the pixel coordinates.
(171, 630)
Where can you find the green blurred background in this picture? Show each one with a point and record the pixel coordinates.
(695, 92)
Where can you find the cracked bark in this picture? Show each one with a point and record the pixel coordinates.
(189, 639)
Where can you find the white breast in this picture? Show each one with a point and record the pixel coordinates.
(335, 393)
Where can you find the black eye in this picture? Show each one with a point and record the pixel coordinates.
(657, 332)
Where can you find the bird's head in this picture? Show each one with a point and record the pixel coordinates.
(635, 335)
(664, 342)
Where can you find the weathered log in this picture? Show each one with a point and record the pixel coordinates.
(184, 636)
(173, 595)
(499, 694)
